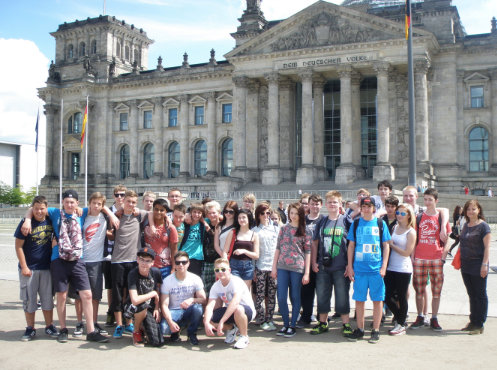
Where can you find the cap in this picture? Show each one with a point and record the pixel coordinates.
(368, 201)
(70, 194)
(148, 251)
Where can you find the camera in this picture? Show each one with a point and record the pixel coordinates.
(327, 260)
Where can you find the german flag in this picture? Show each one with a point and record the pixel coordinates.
(408, 17)
(83, 131)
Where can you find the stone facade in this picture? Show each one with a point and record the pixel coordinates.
(319, 96)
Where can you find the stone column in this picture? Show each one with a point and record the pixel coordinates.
(383, 169)
(158, 142)
(318, 85)
(239, 125)
(211, 134)
(346, 172)
(306, 173)
(421, 67)
(134, 147)
(493, 133)
(287, 129)
(356, 121)
(184, 145)
(50, 164)
(270, 175)
(252, 137)
(113, 155)
(460, 154)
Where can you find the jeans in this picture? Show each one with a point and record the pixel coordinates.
(307, 295)
(476, 286)
(192, 316)
(325, 282)
(293, 280)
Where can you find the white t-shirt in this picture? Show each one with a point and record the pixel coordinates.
(226, 293)
(94, 231)
(180, 290)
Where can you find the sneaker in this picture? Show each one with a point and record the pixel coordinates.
(398, 330)
(264, 326)
(426, 320)
(282, 331)
(347, 329)
(78, 332)
(138, 340)
(271, 326)
(52, 331)
(175, 337)
(231, 335)
(301, 324)
(319, 329)
(434, 325)
(194, 340)
(375, 336)
(100, 329)
(29, 334)
(476, 330)
(469, 326)
(290, 332)
(313, 318)
(356, 334)
(63, 336)
(242, 342)
(95, 336)
(118, 333)
(418, 323)
(110, 321)
(129, 329)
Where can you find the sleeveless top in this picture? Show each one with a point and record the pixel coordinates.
(397, 262)
(243, 244)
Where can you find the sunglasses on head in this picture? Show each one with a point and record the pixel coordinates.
(401, 213)
(119, 195)
(181, 262)
(220, 269)
(229, 211)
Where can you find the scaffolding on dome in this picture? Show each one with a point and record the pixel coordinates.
(378, 3)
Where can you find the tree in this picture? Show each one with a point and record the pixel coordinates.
(15, 196)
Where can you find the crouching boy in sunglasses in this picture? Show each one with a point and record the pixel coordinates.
(230, 306)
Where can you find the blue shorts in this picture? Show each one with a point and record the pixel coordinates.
(368, 280)
(244, 269)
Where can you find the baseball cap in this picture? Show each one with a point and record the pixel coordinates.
(147, 251)
(70, 194)
(368, 201)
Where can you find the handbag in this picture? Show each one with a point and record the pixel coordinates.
(456, 262)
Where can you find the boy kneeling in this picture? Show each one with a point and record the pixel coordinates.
(230, 306)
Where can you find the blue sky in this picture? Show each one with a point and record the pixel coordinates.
(194, 26)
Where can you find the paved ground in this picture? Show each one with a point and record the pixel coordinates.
(450, 348)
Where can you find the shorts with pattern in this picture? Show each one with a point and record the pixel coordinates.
(422, 269)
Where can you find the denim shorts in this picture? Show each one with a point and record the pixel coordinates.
(326, 281)
(244, 269)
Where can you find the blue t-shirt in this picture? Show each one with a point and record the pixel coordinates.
(367, 255)
(54, 214)
(193, 244)
(37, 245)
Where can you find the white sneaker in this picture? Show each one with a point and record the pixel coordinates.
(398, 330)
(426, 320)
(242, 342)
(270, 326)
(231, 335)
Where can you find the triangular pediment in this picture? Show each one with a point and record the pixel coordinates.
(224, 97)
(476, 77)
(145, 105)
(121, 107)
(323, 25)
(197, 99)
(170, 102)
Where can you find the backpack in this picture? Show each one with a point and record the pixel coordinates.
(380, 229)
(70, 238)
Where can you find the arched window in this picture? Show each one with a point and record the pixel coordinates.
(173, 160)
(118, 49)
(148, 161)
(126, 52)
(200, 158)
(93, 48)
(478, 150)
(124, 162)
(75, 123)
(136, 56)
(70, 51)
(82, 49)
(226, 157)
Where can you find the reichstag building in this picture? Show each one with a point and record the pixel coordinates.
(319, 96)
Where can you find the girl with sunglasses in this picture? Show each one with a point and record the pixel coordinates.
(226, 226)
(399, 268)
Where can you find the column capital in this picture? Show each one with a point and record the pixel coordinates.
(355, 78)
(286, 83)
(306, 75)
(51, 108)
(345, 71)
(493, 73)
(421, 65)
(183, 99)
(211, 95)
(272, 77)
(240, 81)
(382, 68)
(157, 101)
(318, 81)
(253, 86)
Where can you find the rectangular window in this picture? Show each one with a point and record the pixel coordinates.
(75, 166)
(199, 115)
(173, 117)
(123, 121)
(476, 96)
(147, 119)
(226, 113)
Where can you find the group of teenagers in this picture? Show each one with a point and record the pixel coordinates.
(167, 267)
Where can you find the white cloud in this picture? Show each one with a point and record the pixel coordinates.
(281, 9)
(20, 76)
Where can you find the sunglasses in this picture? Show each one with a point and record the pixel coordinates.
(119, 195)
(181, 262)
(229, 212)
(268, 213)
(221, 269)
(401, 213)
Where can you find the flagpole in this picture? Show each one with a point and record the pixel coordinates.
(60, 153)
(36, 148)
(412, 128)
(86, 151)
